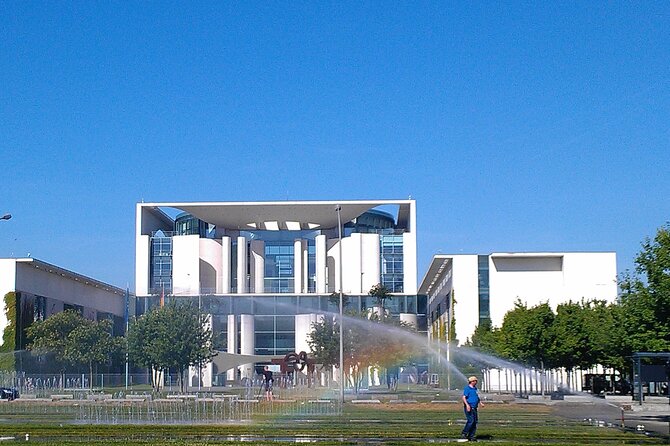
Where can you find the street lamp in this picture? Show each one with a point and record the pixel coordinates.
(6, 217)
(338, 208)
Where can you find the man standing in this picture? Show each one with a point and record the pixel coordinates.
(267, 376)
(470, 403)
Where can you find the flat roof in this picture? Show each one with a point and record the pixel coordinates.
(281, 215)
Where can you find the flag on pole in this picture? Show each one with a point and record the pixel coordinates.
(162, 296)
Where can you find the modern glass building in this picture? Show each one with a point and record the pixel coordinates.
(265, 271)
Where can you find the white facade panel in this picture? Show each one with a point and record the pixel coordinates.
(7, 285)
(257, 264)
(247, 343)
(370, 262)
(232, 343)
(303, 327)
(241, 265)
(466, 295)
(226, 269)
(185, 265)
(410, 280)
(142, 264)
(321, 264)
(211, 267)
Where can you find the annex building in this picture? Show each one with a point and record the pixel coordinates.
(265, 271)
(33, 290)
(472, 288)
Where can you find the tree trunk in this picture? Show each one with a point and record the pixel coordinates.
(90, 374)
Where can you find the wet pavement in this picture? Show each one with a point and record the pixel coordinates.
(653, 418)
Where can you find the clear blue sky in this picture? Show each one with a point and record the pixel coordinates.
(515, 126)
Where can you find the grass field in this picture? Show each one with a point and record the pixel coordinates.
(388, 424)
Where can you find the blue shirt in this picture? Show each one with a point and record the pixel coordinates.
(471, 396)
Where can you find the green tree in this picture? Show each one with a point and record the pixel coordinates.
(572, 345)
(485, 338)
(525, 334)
(74, 339)
(175, 336)
(92, 343)
(381, 293)
(51, 334)
(645, 296)
(7, 353)
(324, 342)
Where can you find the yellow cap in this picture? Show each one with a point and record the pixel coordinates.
(472, 378)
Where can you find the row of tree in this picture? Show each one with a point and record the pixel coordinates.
(584, 334)
(171, 337)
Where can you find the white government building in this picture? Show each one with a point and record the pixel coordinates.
(487, 286)
(265, 271)
(474, 288)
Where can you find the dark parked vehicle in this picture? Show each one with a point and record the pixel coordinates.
(8, 394)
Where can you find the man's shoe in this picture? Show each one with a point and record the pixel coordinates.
(472, 439)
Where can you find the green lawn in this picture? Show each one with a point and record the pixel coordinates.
(389, 424)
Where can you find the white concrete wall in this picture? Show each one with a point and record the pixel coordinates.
(541, 278)
(303, 326)
(226, 269)
(466, 295)
(185, 265)
(321, 264)
(410, 279)
(370, 262)
(257, 266)
(211, 272)
(53, 286)
(232, 344)
(7, 285)
(241, 265)
(247, 342)
(142, 265)
(361, 263)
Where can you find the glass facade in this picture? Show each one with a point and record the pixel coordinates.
(186, 224)
(274, 316)
(483, 281)
(392, 259)
(161, 264)
(279, 258)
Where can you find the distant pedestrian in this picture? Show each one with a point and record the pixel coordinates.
(268, 381)
(471, 402)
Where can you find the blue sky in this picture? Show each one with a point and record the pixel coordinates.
(515, 126)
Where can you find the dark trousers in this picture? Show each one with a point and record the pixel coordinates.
(471, 423)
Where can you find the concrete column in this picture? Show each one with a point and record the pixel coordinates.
(305, 269)
(241, 265)
(298, 266)
(232, 344)
(409, 318)
(321, 253)
(225, 265)
(257, 265)
(247, 343)
(303, 326)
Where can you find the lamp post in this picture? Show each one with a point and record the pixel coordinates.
(338, 208)
(6, 217)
